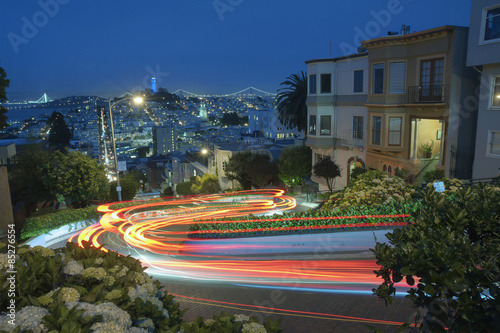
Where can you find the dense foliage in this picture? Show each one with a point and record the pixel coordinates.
(250, 169)
(68, 177)
(450, 257)
(292, 108)
(327, 169)
(129, 185)
(75, 289)
(294, 165)
(371, 189)
(208, 184)
(59, 133)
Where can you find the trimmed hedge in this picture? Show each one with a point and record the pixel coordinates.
(39, 225)
(287, 220)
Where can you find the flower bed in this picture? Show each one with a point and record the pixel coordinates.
(372, 188)
(75, 289)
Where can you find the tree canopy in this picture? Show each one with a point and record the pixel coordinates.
(326, 168)
(67, 177)
(208, 184)
(129, 184)
(294, 165)
(4, 83)
(450, 258)
(250, 169)
(292, 108)
(59, 133)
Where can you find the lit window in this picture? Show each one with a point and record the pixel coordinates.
(325, 125)
(395, 131)
(493, 144)
(495, 102)
(312, 125)
(492, 24)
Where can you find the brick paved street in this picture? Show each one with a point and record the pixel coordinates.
(360, 306)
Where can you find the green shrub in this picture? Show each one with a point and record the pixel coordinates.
(39, 225)
(356, 172)
(433, 175)
(370, 189)
(450, 258)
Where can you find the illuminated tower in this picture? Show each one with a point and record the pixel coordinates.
(203, 111)
(153, 84)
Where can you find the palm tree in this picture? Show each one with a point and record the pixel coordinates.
(292, 109)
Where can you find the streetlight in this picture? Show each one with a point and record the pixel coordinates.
(137, 100)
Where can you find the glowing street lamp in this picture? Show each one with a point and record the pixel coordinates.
(137, 100)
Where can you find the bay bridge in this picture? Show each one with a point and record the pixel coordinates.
(247, 92)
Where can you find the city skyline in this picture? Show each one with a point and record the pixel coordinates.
(64, 48)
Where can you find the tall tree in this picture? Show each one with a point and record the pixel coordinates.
(59, 133)
(326, 168)
(450, 258)
(70, 177)
(4, 83)
(292, 108)
(294, 165)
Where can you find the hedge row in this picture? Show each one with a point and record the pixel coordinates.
(40, 225)
(312, 219)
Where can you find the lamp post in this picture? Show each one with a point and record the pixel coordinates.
(137, 100)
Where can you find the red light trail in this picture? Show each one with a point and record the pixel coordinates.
(157, 233)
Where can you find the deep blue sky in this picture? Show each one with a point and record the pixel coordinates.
(104, 47)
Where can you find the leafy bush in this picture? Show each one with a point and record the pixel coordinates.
(75, 289)
(356, 172)
(39, 225)
(433, 175)
(450, 258)
(371, 189)
(451, 185)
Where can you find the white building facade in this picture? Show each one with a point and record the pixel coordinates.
(337, 115)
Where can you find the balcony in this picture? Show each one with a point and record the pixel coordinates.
(437, 93)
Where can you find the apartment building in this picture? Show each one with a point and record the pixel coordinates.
(419, 112)
(484, 56)
(337, 115)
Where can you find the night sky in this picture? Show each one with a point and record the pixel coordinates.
(108, 47)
